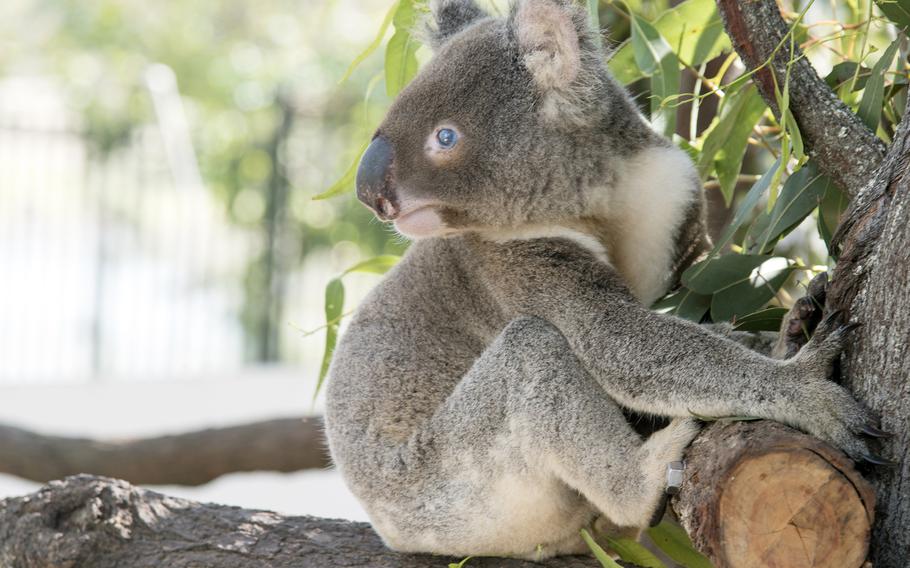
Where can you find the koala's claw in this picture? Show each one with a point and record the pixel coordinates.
(873, 432)
(848, 327)
(878, 460)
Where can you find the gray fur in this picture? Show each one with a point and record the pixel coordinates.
(475, 403)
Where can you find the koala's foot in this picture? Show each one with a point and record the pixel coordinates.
(827, 410)
(800, 322)
(663, 448)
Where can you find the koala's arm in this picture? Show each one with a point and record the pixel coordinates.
(664, 365)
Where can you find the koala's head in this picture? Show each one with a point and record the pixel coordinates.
(506, 125)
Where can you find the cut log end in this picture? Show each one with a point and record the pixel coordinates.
(761, 494)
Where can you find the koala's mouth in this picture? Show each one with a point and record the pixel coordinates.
(419, 221)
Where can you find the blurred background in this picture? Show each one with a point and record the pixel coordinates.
(163, 264)
(160, 252)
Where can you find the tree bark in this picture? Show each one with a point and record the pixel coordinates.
(96, 522)
(871, 284)
(192, 458)
(761, 494)
(844, 149)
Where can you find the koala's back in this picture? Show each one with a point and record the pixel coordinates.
(406, 348)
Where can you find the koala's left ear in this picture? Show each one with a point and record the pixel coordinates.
(556, 42)
(450, 17)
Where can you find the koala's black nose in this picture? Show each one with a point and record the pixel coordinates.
(374, 187)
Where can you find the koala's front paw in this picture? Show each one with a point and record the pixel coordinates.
(827, 410)
(800, 322)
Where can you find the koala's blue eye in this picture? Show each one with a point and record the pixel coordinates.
(446, 137)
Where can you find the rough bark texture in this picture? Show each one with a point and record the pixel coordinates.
(96, 522)
(872, 285)
(192, 458)
(844, 149)
(762, 494)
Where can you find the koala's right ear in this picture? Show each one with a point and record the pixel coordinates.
(450, 17)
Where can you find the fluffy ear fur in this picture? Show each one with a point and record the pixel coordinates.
(450, 17)
(558, 48)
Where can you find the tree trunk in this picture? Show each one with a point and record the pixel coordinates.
(96, 522)
(871, 284)
(761, 494)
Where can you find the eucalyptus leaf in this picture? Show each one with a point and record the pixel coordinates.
(692, 306)
(694, 30)
(675, 543)
(751, 292)
(334, 304)
(799, 196)
(376, 265)
(870, 106)
(374, 45)
(655, 57)
(898, 11)
(599, 553)
(843, 73)
(401, 52)
(722, 272)
(346, 182)
(763, 320)
(594, 13)
(632, 551)
(832, 206)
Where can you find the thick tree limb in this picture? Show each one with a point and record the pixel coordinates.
(871, 284)
(192, 458)
(844, 149)
(104, 523)
(762, 494)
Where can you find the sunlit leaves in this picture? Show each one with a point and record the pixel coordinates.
(656, 59)
(374, 45)
(693, 29)
(346, 181)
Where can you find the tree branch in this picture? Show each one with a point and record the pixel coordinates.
(844, 149)
(193, 458)
(105, 523)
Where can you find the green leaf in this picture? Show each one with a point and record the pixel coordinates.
(334, 303)
(374, 45)
(762, 320)
(842, 73)
(832, 206)
(751, 291)
(376, 265)
(719, 273)
(898, 11)
(460, 564)
(631, 551)
(694, 30)
(870, 106)
(800, 195)
(401, 52)
(656, 59)
(346, 182)
(599, 553)
(675, 543)
(725, 143)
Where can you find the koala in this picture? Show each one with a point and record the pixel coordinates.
(475, 403)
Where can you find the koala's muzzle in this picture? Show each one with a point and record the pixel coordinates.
(374, 179)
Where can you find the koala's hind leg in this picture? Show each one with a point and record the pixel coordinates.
(547, 419)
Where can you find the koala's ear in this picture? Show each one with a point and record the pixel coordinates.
(449, 18)
(549, 40)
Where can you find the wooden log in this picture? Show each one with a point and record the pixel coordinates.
(761, 494)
